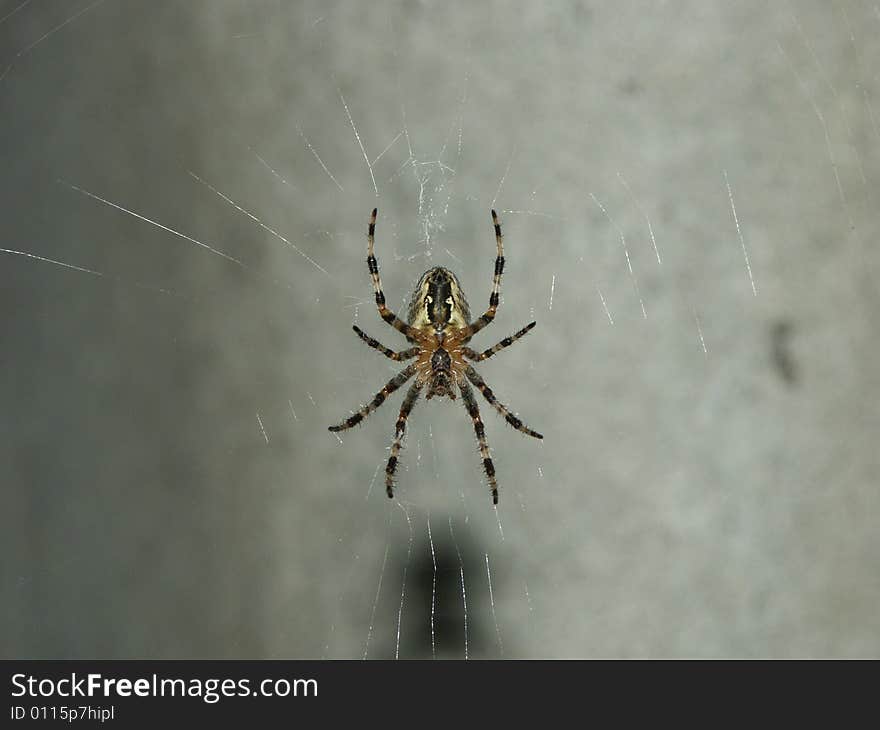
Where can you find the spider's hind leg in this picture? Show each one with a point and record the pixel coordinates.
(387, 352)
(506, 342)
(373, 265)
(495, 295)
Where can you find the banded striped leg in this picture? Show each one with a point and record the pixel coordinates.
(378, 400)
(478, 381)
(494, 297)
(506, 342)
(408, 403)
(471, 404)
(376, 345)
(385, 313)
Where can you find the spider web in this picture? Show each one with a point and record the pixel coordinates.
(688, 194)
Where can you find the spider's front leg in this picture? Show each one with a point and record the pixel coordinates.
(494, 297)
(514, 421)
(474, 411)
(412, 396)
(373, 265)
(378, 399)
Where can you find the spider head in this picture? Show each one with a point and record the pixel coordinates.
(438, 301)
(441, 378)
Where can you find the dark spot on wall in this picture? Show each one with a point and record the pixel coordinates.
(445, 585)
(630, 86)
(780, 348)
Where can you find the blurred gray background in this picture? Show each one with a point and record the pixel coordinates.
(688, 192)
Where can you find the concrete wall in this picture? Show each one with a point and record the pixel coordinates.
(694, 186)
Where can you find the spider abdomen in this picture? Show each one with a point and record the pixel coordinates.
(438, 301)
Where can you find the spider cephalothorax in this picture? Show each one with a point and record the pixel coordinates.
(439, 327)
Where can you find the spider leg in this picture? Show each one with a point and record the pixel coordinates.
(412, 396)
(489, 315)
(471, 404)
(376, 345)
(478, 381)
(378, 399)
(373, 265)
(506, 342)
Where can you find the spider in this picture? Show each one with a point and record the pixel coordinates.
(439, 327)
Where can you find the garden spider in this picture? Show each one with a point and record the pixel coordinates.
(439, 327)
